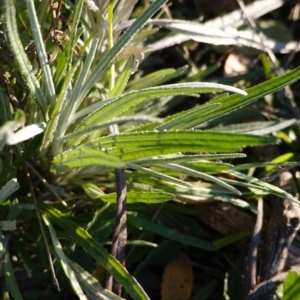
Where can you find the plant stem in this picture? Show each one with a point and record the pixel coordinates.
(118, 249)
(251, 273)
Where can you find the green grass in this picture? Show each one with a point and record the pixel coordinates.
(87, 105)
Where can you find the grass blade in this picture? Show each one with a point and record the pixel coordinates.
(9, 188)
(159, 175)
(64, 261)
(188, 119)
(144, 197)
(39, 43)
(233, 102)
(132, 146)
(197, 174)
(100, 254)
(79, 158)
(91, 286)
(115, 106)
(10, 279)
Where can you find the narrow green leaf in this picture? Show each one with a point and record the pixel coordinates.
(74, 32)
(156, 78)
(115, 106)
(61, 63)
(64, 261)
(9, 188)
(91, 286)
(257, 128)
(14, 210)
(291, 286)
(141, 243)
(196, 194)
(181, 158)
(71, 138)
(178, 138)
(123, 78)
(39, 43)
(195, 173)
(91, 190)
(79, 158)
(132, 155)
(188, 119)
(5, 113)
(62, 112)
(74, 101)
(159, 175)
(10, 279)
(136, 196)
(51, 132)
(208, 166)
(230, 239)
(272, 189)
(234, 102)
(100, 254)
(132, 146)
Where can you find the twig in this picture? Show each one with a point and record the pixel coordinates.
(55, 281)
(284, 224)
(269, 285)
(282, 229)
(250, 276)
(118, 248)
(120, 234)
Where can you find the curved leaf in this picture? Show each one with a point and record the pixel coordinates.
(10, 187)
(233, 102)
(188, 119)
(41, 51)
(100, 254)
(195, 173)
(132, 146)
(156, 78)
(136, 196)
(115, 106)
(182, 158)
(79, 158)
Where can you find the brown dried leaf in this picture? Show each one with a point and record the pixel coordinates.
(178, 279)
